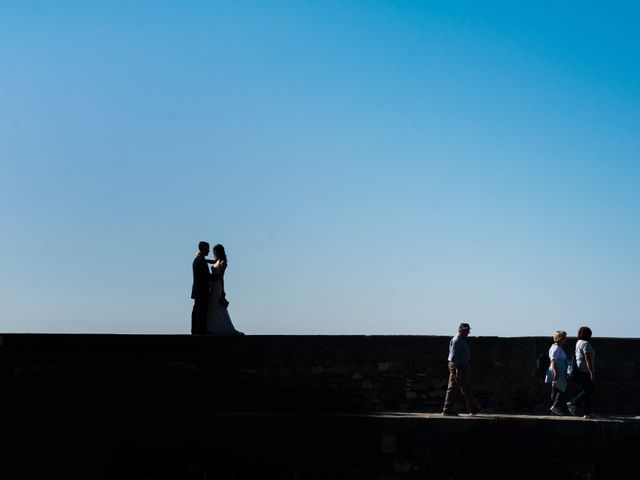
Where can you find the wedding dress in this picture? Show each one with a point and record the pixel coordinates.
(218, 319)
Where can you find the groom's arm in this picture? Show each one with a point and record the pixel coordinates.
(203, 270)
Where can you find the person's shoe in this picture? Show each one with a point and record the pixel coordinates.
(449, 413)
(590, 416)
(556, 410)
(476, 411)
(571, 408)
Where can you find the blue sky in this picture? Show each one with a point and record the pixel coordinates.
(372, 167)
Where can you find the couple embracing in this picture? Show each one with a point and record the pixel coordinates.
(210, 314)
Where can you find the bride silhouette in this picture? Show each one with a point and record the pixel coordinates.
(218, 319)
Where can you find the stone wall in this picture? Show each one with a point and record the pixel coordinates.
(299, 407)
(312, 373)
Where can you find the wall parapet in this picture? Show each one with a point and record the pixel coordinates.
(354, 373)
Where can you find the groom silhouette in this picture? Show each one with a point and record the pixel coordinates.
(200, 289)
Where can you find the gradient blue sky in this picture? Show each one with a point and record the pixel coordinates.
(372, 167)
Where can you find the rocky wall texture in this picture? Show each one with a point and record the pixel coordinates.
(310, 373)
(299, 407)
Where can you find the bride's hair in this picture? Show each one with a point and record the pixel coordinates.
(219, 252)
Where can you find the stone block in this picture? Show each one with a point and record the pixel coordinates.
(368, 367)
(370, 394)
(401, 465)
(384, 366)
(338, 369)
(388, 443)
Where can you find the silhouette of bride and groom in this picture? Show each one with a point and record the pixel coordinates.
(210, 314)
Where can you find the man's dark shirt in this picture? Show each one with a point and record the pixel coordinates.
(201, 278)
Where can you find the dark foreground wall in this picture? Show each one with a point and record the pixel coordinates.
(309, 373)
(136, 406)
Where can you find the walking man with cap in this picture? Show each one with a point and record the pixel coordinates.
(459, 373)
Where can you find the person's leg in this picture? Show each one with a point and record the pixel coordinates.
(589, 387)
(555, 397)
(581, 379)
(449, 397)
(204, 307)
(194, 318)
(199, 317)
(464, 384)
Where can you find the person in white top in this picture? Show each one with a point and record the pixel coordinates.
(586, 374)
(557, 373)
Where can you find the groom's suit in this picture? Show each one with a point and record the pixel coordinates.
(200, 294)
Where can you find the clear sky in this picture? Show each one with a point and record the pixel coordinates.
(372, 167)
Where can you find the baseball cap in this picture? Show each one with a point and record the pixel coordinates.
(464, 326)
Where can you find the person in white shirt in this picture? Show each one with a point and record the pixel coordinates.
(586, 374)
(557, 373)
